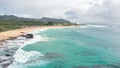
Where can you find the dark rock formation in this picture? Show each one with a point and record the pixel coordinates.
(12, 38)
(7, 55)
(29, 35)
(53, 55)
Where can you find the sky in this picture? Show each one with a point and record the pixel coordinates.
(80, 11)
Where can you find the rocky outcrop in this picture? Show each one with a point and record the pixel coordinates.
(8, 49)
(29, 36)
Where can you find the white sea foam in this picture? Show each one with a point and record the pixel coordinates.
(19, 65)
(24, 57)
(38, 31)
(96, 26)
(37, 38)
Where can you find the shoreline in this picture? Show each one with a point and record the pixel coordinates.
(8, 49)
(9, 46)
(18, 32)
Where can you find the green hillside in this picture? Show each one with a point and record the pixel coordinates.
(9, 22)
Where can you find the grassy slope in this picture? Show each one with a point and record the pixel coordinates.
(10, 25)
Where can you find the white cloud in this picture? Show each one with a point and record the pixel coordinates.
(107, 12)
(39, 8)
(75, 10)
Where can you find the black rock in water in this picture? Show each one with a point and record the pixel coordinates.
(29, 35)
(7, 55)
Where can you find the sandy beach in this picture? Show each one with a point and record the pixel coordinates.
(17, 32)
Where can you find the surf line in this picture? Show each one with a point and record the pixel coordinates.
(23, 56)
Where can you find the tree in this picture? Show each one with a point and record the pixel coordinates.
(1, 29)
(50, 23)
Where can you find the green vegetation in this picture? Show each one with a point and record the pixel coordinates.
(13, 22)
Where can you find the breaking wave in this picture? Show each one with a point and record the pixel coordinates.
(23, 59)
(88, 26)
(22, 56)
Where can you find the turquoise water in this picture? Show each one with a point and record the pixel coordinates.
(77, 48)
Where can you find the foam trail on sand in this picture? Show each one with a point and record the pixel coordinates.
(26, 57)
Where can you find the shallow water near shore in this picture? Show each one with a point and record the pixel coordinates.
(91, 47)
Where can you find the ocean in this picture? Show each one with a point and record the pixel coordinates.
(92, 46)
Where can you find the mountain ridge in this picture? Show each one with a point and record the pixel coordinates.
(43, 19)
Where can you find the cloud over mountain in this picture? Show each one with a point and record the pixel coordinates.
(82, 11)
